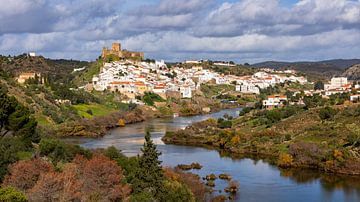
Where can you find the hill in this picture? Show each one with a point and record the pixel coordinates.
(56, 69)
(327, 68)
(353, 72)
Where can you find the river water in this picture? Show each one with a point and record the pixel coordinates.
(259, 181)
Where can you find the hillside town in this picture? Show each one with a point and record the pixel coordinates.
(130, 75)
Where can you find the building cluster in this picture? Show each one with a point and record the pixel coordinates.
(133, 78)
(337, 85)
(261, 80)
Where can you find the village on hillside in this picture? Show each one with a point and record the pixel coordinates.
(135, 77)
(129, 74)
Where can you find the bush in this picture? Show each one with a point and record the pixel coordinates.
(285, 160)
(244, 111)
(58, 151)
(222, 123)
(327, 113)
(9, 194)
(89, 111)
(150, 98)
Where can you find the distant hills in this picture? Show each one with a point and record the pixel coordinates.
(326, 68)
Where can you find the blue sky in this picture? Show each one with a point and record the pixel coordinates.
(175, 30)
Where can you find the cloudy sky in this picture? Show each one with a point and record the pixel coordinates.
(174, 30)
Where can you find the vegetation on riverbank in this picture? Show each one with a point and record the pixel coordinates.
(320, 135)
(56, 171)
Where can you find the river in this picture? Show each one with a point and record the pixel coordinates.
(259, 181)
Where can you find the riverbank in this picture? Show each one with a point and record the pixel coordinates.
(299, 140)
(258, 176)
(100, 125)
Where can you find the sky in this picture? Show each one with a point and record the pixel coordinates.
(175, 30)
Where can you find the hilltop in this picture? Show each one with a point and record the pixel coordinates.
(54, 68)
(353, 72)
(327, 68)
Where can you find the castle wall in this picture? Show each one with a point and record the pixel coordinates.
(116, 50)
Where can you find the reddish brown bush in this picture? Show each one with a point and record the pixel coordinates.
(23, 175)
(54, 186)
(82, 180)
(103, 176)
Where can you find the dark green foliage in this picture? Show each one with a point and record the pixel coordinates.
(9, 148)
(353, 139)
(149, 176)
(89, 111)
(313, 101)
(276, 115)
(58, 151)
(9, 194)
(245, 111)
(129, 166)
(224, 123)
(327, 113)
(75, 96)
(17, 130)
(15, 119)
(339, 99)
(269, 91)
(113, 153)
(319, 85)
(150, 98)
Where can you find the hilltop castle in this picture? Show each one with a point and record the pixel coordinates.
(122, 54)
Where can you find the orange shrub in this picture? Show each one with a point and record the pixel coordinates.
(285, 160)
(121, 123)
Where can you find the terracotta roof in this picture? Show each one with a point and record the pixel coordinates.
(120, 82)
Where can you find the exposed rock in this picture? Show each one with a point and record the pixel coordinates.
(352, 73)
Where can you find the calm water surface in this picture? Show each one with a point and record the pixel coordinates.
(259, 181)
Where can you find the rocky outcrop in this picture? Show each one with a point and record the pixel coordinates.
(353, 72)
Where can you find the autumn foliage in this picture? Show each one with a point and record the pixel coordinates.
(285, 160)
(98, 178)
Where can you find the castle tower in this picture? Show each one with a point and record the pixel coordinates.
(116, 47)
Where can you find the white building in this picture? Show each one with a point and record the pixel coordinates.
(336, 83)
(248, 88)
(355, 97)
(185, 92)
(274, 101)
(192, 62)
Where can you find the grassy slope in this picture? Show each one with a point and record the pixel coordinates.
(86, 76)
(96, 109)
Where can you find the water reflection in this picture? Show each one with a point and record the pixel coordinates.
(259, 179)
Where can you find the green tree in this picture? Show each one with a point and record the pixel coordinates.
(149, 176)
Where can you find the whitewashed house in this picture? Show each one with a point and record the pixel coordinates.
(336, 83)
(274, 101)
(185, 91)
(354, 98)
(248, 88)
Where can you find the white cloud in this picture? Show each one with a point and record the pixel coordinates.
(176, 29)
